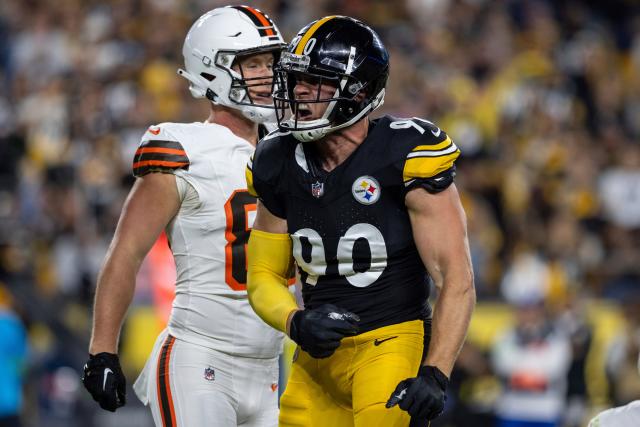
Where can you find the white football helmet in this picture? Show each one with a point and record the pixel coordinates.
(214, 41)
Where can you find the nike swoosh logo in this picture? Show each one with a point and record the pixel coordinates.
(154, 131)
(237, 34)
(106, 373)
(377, 342)
(436, 134)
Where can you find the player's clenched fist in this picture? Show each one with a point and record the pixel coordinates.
(422, 397)
(103, 378)
(319, 331)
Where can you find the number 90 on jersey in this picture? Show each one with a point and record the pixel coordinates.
(316, 264)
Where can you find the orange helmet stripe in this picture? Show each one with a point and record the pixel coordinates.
(262, 18)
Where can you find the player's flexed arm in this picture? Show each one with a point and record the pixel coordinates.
(439, 230)
(151, 204)
(318, 331)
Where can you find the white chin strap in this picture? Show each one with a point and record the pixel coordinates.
(306, 135)
(257, 114)
(309, 135)
(252, 112)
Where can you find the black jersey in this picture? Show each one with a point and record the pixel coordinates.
(352, 238)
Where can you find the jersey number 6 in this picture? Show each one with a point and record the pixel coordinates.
(239, 211)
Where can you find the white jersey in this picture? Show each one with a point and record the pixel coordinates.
(208, 236)
(623, 416)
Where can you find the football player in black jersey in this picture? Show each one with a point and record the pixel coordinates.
(369, 212)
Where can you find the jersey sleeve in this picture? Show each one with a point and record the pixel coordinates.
(430, 159)
(159, 152)
(263, 174)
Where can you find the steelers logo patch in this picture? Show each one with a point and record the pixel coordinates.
(366, 190)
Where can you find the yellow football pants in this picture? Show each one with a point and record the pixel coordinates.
(351, 388)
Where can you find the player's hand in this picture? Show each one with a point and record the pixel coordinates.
(319, 331)
(422, 397)
(103, 378)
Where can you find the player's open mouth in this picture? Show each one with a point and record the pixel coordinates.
(262, 97)
(304, 112)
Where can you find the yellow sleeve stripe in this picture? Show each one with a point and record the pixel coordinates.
(428, 166)
(303, 42)
(451, 148)
(441, 145)
(249, 177)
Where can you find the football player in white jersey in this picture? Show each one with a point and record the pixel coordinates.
(622, 416)
(216, 364)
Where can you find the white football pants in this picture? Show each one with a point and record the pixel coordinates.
(187, 385)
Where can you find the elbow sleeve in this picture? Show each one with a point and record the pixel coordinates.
(269, 264)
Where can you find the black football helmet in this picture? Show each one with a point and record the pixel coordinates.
(339, 51)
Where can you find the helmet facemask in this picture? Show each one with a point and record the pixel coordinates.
(240, 92)
(350, 101)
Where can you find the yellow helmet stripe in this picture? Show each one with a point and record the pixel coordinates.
(303, 41)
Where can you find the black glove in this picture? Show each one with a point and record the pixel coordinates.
(422, 397)
(319, 331)
(103, 378)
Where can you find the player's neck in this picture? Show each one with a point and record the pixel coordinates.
(233, 119)
(336, 147)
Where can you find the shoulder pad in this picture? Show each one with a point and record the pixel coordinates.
(267, 128)
(159, 151)
(429, 150)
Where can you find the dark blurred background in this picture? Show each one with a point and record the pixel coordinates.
(542, 97)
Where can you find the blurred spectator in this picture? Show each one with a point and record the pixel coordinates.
(13, 357)
(532, 361)
(620, 189)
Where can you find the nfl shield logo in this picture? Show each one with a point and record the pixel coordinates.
(209, 374)
(317, 189)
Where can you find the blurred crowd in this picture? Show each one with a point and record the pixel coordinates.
(542, 97)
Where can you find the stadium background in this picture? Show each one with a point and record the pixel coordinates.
(543, 98)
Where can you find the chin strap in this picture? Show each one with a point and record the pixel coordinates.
(254, 113)
(306, 135)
